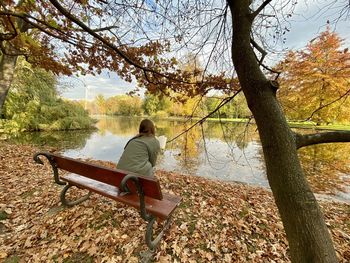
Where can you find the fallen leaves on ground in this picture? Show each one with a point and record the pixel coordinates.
(216, 221)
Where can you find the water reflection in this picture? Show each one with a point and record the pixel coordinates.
(327, 166)
(58, 139)
(225, 151)
(229, 151)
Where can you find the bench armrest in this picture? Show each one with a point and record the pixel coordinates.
(52, 163)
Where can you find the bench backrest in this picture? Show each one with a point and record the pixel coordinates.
(107, 175)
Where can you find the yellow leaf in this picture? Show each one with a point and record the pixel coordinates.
(3, 254)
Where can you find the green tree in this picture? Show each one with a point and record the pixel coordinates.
(124, 105)
(19, 38)
(150, 104)
(237, 108)
(241, 109)
(33, 104)
(112, 105)
(130, 106)
(156, 104)
(315, 81)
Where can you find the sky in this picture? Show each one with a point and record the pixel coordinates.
(88, 87)
(307, 22)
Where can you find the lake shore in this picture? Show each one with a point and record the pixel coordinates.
(216, 222)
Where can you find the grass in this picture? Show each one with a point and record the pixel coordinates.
(312, 125)
(12, 259)
(3, 215)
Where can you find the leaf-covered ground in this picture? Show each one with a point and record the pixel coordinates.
(216, 222)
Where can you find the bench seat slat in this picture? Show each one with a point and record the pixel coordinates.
(160, 208)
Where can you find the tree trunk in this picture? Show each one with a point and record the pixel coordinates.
(8, 62)
(307, 233)
(7, 70)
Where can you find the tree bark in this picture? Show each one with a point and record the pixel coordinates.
(7, 69)
(8, 60)
(307, 233)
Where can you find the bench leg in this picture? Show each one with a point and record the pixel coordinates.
(153, 243)
(65, 202)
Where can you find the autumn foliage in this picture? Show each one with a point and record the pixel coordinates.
(92, 40)
(315, 81)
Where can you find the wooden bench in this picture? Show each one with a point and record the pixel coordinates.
(141, 192)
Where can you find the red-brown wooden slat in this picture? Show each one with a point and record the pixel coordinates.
(107, 175)
(159, 208)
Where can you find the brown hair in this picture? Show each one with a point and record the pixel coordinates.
(147, 128)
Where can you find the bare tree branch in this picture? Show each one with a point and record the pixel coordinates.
(107, 28)
(328, 104)
(97, 36)
(223, 103)
(26, 18)
(302, 140)
(260, 49)
(72, 18)
(263, 54)
(260, 8)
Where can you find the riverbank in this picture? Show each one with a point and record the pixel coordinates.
(292, 124)
(216, 222)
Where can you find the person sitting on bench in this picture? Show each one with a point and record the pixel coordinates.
(140, 152)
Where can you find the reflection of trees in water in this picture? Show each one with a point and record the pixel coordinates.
(325, 166)
(237, 137)
(193, 146)
(234, 134)
(119, 126)
(189, 148)
(58, 139)
(168, 128)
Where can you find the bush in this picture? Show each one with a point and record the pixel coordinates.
(33, 105)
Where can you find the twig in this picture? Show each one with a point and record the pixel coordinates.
(224, 102)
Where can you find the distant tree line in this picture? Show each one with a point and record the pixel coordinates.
(162, 107)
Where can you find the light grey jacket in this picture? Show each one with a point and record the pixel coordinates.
(140, 155)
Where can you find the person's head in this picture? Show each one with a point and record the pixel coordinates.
(147, 127)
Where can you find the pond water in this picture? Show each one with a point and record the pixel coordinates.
(220, 151)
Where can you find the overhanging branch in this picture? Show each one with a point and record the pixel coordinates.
(260, 8)
(122, 54)
(302, 140)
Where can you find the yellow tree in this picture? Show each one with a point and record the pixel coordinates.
(315, 81)
(101, 104)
